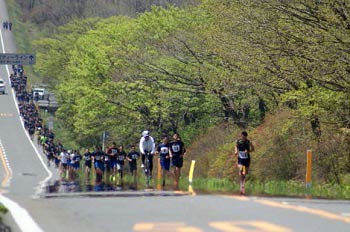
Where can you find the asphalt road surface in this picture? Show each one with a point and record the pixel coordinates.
(22, 172)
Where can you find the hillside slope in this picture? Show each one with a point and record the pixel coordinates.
(281, 142)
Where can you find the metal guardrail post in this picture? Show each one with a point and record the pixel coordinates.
(308, 168)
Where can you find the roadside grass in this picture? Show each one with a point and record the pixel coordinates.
(225, 186)
(273, 188)
(3, 209)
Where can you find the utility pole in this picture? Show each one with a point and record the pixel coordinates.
(103, 140)
(105, 135)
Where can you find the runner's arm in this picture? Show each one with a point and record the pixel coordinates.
(170, 153)
(128, 158)
(141, 145)
(153, 145)
(251, 147)
(236, 149)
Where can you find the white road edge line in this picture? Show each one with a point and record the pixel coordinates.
(20, 215)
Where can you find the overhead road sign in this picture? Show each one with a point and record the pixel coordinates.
(15, 58)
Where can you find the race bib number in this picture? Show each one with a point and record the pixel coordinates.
(114, 151)
(134, 157)
(78, 159)
(176, 148)
(106, 158)
(97, 158)
(164, 150)
(121, 158)
(87, 158)
(243, 155)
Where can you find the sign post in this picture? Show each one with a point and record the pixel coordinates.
(16, 58)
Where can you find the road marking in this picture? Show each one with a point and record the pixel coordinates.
(22, 218)
(304, 209)
(285, 205)
(5, 115)
(165, 226)
(224, 226)
(6, 165)
(2, 42)
(248, 226)
(239, 198)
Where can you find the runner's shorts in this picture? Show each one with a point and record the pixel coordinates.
(107, 164)
(113, 164)
(177, 161)
(100, 165)
(245, 162)
(165, 163)
(76, 165)
(88, 163)
(120, 166)
(133, 167)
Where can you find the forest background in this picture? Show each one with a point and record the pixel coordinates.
(207, 69)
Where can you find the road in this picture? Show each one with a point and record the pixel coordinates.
(22, 172)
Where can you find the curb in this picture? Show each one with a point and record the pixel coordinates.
(145, 193)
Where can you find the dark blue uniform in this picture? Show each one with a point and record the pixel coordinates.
(133, 155)
(243, 147)
(177, 150)
(99, 160)
(113, 156)
(120, 159)
(164, 155)
(76, 161)
(88, 157)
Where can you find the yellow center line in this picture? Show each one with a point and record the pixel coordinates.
(165, 226)
(6, 115)
(7, 171)
(318, 212)
(238, 198)
(248, 226)
(304, 209)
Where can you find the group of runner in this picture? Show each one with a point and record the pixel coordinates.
(170, 154)
(27, 108)
(112, 160)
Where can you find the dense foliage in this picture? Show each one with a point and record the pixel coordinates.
(219, 62)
